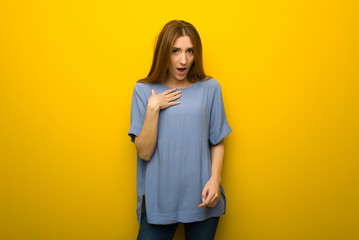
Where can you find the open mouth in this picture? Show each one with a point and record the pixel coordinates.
(181, 70)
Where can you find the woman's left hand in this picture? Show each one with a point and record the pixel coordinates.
(212, 188)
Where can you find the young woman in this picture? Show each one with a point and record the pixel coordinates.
(178, 124)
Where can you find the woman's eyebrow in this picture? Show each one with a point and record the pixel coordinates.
(176, 48)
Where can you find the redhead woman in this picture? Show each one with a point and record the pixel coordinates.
(178, 124)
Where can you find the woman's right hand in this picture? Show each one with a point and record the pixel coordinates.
(165, 99)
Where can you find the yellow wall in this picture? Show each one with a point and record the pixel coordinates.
(289, 76)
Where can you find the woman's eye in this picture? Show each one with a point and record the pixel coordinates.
(190, 51)
(174, 51)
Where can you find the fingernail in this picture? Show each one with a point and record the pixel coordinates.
(202, 199)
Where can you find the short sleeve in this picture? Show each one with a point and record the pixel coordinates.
(218, 126)
(138, 110)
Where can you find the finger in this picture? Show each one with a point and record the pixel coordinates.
(204, 194)
(168, 91)
(202, 204)
(153, 92)
(173, 94)
(206, 202)
(174, 103)
(176, 93)
(208, 199)
(175, 97)
(213, 203)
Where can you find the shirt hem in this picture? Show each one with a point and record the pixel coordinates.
(222, 135)
(158, 219)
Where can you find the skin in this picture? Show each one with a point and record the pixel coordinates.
(211, 191)
(182, 56)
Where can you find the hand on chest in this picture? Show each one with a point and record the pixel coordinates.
(193, 109)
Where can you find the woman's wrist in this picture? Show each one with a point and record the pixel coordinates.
(153, 107)
(216, 179)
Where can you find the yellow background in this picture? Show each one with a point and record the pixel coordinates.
(289, 76)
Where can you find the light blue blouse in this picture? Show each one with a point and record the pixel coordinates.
(173, 180)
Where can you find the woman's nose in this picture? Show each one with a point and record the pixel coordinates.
(183, 59)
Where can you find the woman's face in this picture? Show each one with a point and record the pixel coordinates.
(181, 59)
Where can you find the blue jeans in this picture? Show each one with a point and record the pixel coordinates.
(203, 230)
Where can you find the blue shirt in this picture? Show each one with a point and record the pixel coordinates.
(173, 180)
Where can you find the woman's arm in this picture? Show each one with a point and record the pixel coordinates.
(212, 187)
(147, 139)
(217, 154)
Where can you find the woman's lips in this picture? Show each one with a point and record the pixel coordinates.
(181, 70)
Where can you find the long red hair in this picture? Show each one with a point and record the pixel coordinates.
(165, 41)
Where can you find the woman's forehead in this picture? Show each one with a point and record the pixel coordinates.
(183, 42)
